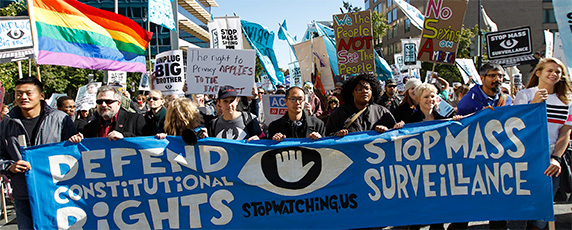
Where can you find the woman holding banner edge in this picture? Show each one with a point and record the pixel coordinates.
(550, 82)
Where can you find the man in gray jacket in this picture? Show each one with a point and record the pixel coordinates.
(31, 122)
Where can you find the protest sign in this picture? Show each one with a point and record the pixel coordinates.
(313, 53)
(398, 77)
(468, 71)
(145, 82)
(274, 106)
(563, 15)
(437, 171)
(398, 59)
(226, 33)
(169, 72)
(409, 49)
(15, 39)
(509, 43)
(53, 100)
(354, 42)
(207, 69)
(442, 31)
(87, 94)
(295, 74)
(549, 40)
(559, 50)
(161, 13)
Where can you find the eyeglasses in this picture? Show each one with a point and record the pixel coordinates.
(495, 75)
(153, 98)
(392, 86)
(107, 101)
(296, 100)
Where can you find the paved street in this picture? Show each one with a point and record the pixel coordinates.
(563, 220)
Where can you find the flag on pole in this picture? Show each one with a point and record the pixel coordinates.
(161, 13)
(491, 26)
(70, 33)
(283, 34)
(330, 41)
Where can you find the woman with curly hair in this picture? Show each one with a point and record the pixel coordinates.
(182, 114)
(360, 113)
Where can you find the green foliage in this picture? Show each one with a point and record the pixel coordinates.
(379, 27)
(14, 8)
(465, 41)
(349, 8)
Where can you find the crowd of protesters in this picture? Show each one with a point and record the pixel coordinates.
(361, 103)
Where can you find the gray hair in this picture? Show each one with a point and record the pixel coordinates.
(105, 88)
(490, 67)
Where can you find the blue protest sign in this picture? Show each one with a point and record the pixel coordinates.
(484, 167)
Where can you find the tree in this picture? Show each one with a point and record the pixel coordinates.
(379, 27)
(349, 8)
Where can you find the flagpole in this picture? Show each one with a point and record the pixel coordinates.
(479, 48)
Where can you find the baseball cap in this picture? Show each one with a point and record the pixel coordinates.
(390, 81)
(226, 91)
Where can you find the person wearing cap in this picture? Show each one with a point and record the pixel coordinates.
(404, 112)
(360, 113)
(390, 98)
(488, 94)
(83, 117)
(233, 124)
(338, 92)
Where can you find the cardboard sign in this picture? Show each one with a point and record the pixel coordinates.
(307, 60)
(442, 31)
(208, 69)
(354, 42)
(169, 72)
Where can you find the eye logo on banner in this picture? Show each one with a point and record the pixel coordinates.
(294, 171)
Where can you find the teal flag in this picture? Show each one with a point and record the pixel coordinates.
(262, 40)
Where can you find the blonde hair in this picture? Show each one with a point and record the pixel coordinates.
(182, 114)
(562, 87)
(423, 87)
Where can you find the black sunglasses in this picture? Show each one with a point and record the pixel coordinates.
(107, 101)
(392, 86)
(153, 98)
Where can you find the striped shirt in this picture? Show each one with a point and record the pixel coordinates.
(558, 113)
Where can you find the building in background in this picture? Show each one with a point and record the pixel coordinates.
(507, 14)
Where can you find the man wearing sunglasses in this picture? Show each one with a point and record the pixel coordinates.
(113, 121)
(390, 98)
(488, 94)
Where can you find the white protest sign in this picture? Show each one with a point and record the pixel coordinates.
(274, 106)
(549, 40)
(87, 94)
(226, 33)
(145, 82)
(169, 74)
(468, 70)
(114, 77)
(207, 69)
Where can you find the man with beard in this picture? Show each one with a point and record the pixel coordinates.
(488, 94)
(113, 121)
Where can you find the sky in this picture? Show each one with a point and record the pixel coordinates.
(269, 13)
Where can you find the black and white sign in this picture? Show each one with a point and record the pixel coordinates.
(509, 43)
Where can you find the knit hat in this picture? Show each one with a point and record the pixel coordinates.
(412, 83)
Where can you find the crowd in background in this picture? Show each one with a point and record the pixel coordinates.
(361, 103)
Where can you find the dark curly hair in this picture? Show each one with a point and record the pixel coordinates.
(350, 85)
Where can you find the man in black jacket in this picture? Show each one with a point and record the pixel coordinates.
(31, 122)
(390, 98)
(296, 123)
(113, 122)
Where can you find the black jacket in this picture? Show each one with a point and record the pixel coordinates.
(54, 126)
(308, 125)
(374, 115)
(128, 124)
(390, 103)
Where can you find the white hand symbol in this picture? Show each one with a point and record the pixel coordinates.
(290, 167)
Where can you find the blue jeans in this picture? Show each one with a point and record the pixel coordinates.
(24, 214)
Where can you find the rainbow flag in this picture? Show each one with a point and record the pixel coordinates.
(70, 33)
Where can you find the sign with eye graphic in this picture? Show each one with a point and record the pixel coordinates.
(512, 46)
(333, 182)
(15, 39)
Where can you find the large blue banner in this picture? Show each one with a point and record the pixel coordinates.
(488, 166)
